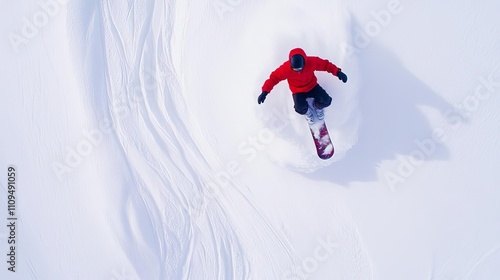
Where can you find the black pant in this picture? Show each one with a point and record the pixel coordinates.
(321, 99)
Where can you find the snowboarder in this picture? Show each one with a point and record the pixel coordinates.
(299, 72)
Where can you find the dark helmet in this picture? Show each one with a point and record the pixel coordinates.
(297, 62)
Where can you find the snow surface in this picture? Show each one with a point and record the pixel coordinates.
(141, 152)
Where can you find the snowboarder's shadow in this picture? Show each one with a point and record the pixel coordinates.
(393, 126)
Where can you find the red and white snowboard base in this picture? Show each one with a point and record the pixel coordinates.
(319, 132)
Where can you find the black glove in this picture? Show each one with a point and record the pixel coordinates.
(262, 97)
(342, 76)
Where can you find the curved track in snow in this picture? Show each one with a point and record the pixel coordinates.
(178, 221)
(183, 229)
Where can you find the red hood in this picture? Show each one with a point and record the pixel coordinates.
(297, 51)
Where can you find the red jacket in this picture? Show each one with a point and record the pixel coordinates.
(304, 80)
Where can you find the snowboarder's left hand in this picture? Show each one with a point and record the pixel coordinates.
(262, 97)
(342, 76)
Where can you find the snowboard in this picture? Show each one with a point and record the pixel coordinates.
(321, 137)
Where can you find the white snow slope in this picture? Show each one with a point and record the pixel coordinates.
(137, 149)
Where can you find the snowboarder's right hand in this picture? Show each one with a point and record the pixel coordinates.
(342, 76)
(262, 97)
